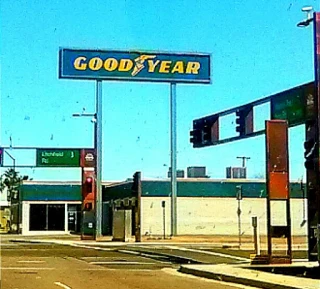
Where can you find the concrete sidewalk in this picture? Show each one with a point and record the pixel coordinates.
(298, 242)
(247, 276)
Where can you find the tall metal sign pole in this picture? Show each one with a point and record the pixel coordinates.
(98, 148)
(173, 114)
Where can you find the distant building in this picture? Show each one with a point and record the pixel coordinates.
(196, 172)
(206, 206)
(236, 172)
(180, 173)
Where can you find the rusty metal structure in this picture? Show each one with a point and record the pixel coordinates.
(277, 168)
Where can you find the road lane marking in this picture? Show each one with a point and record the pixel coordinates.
(209, 253)
(30, 261)
(122, 263)
(62, 285)
(97, 269)
(26, 268)
(129, 252)
(145, 255)
(91, 247)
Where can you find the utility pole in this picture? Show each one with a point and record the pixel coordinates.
(244, 160)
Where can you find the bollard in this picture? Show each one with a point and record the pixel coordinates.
(239, 198)
(256, 235)
(163, 204)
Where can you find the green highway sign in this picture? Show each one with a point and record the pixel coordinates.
(291, 105)
(58, 158)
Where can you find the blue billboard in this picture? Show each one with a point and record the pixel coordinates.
(134, 66)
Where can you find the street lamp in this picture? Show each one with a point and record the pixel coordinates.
(306, 22)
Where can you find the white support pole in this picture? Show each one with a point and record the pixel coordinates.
(173, 123)
(98, 147)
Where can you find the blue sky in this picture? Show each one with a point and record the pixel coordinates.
(256, 47)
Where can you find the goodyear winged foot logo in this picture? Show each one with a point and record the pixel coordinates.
(139, 63)
(147, 62)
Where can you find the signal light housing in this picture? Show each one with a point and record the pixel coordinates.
(88, 190)
(240, 121)
(196, 137)
(244, 120)
(310, 154)
(88, 185)
(136, 183)
(1, 157)
(87, 206)
(207, 134)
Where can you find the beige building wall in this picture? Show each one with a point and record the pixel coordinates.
(218, 216)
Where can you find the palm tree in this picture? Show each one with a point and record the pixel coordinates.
(10, 182)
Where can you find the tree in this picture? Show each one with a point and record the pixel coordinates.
(10, 182)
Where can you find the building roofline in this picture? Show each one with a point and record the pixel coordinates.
(180, 180)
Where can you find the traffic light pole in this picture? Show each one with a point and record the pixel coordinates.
(173, 123)
(314, 193)
(98, 148)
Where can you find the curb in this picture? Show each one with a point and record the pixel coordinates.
(250, 280)
(30, 241)
(232, 279)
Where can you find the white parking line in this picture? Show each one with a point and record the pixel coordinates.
(26, 268)
(209, 253)
(62, 285)
(30, 261)
(91, 247)
(122, 263)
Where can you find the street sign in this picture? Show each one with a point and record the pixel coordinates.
(293, 104)
(134, 65)
(58, 158)
(88, 158)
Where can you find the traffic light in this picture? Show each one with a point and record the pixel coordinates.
(136, 183)
(1, 157)
(87, 206)
(241, 122)
(207, 135)
(310, 154)
(244, 120)
(88, 185)
(196, 137)
(88, 190)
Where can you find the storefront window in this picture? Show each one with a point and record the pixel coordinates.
(47, 217)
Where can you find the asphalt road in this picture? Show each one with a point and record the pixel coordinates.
(45, 266)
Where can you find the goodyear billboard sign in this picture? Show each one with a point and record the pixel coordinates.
(134, 66)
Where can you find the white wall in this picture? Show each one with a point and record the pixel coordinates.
(217, 216)
(26, 218)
